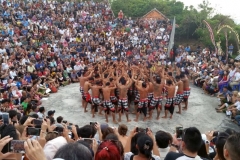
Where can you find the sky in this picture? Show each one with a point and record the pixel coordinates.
(225, 7)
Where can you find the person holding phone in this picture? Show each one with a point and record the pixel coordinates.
(3, 142)
(190, 145)
(146, 146)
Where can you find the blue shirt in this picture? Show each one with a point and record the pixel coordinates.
(19, 84)
(24, 32)
(225, 94)
(25, 23)
(28, 79)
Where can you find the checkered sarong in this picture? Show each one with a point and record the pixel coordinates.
(169, 102)
(143, 103)
(81, 90)
(123, 104)
(156, 102)
(137, 97)
(179, 98)
(186, 93)
(96, 101)
(108, 105)
(113, 99)
(150, 96)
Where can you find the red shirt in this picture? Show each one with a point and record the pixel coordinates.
(120, 15)
(128, 53)
(40, 74)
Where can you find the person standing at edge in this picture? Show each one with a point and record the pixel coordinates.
(179, 96)
(186, 89)
(86, 98)
(169, 106)
(85, 76)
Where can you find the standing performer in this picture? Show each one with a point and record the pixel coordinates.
(169, 106)
(86, 98)
(179, 96)
(156, 101)
(186, 89)
(123, 99)
(96, 102)
(107, 104)
(143, 101)
(85, 76)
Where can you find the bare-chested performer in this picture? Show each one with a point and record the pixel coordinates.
(143, 101)
(107, 104)
(123, 99)
(186, 89)
(82, 80)
(96, 102)
(179, 96)
(113, 97)
(86, 96)
(169, 106)
(150, 92)
(156, 101)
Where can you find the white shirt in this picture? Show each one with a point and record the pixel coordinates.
(237, 104)
(237, 76)
(231, 73)
(24, 61)
(40, 115)
(163, 152)
(12, 74)
(2, 50)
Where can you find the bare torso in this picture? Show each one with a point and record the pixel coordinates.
(171, 91)
(180, 86)
(86, 86)
(106, 93)
(150, 90)
(95, 91)
(185, 83)
(157, 90)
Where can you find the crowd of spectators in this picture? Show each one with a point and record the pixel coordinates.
(216, 76)
(47, 139)
(45, 45)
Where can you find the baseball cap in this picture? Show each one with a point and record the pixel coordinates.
(51, 112)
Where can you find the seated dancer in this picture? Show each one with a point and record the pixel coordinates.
(123, 87)
(96, 102)
(107, 104)
(156, 101)
(179, 96)
(86, 98)
(186, 89)
(169, 106)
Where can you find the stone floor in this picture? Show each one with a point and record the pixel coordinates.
(201, 112)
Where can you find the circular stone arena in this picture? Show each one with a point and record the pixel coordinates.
(201, 112)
